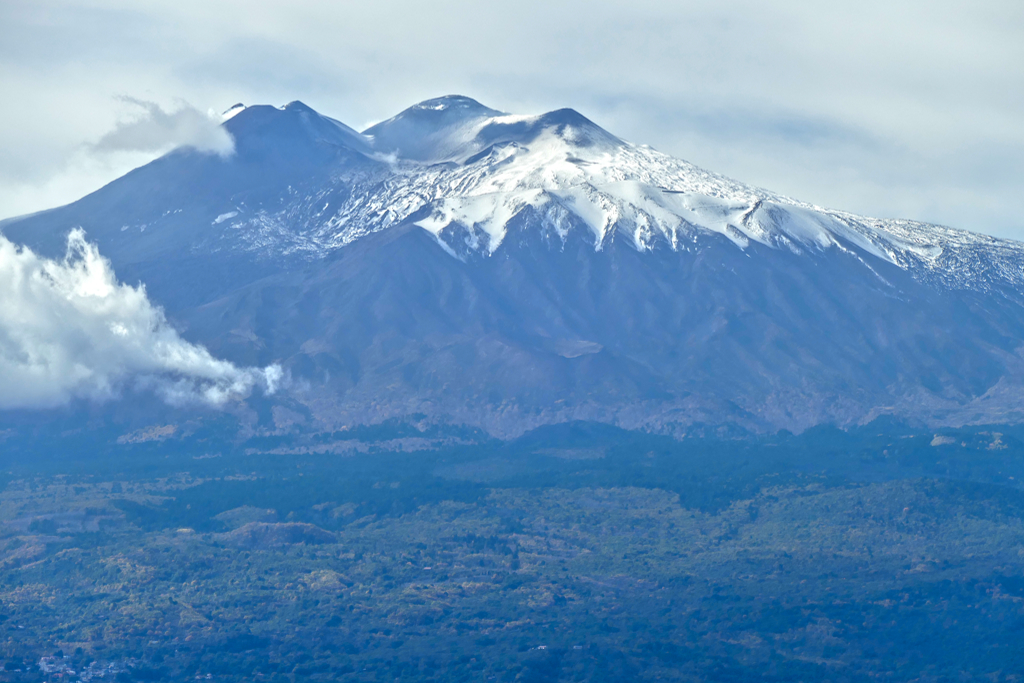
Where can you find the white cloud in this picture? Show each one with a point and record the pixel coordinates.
(69, 330)
(155, 129)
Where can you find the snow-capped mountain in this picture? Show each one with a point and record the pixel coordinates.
(475, 169)
(507, 271)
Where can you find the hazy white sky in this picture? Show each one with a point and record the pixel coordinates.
(912, 109)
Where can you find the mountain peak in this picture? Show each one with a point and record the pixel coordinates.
(454, 103)
(434, 114)
(299, 106)
(568, 124)
(293, 129)
(431, 130)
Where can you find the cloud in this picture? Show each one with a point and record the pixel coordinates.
(155, 130)
(779, 94)
(69, 330)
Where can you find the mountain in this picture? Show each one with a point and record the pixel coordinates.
(506, 271)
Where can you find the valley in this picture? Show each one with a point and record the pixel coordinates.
(576, 553)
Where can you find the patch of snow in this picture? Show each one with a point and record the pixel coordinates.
(574, 178)
(233, 112)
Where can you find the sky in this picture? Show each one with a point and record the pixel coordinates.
(909, 109)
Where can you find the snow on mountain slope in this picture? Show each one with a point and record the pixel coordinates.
(509, 271)
(452, 163)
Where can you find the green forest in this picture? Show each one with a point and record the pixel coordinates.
(574, 553)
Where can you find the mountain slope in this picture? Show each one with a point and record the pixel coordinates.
(511, 271)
